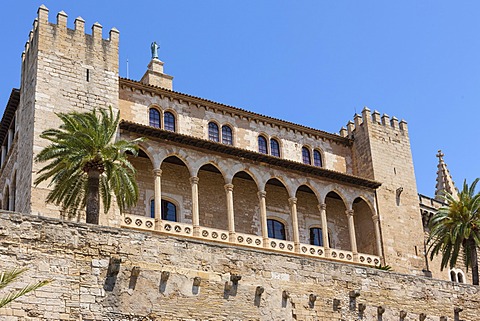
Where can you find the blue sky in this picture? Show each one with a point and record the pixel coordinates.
(311, 62)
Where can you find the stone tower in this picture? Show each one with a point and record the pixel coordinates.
(63, 70)
(381, 151)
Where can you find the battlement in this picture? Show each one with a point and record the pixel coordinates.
(367, 118)
(57, 37)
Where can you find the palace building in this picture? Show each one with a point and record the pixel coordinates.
(241, 216)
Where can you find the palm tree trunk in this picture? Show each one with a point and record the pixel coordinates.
(474, 259)
(93, 197)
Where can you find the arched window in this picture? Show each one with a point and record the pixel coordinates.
(169, 121)
(276, 230)
(227, 136)
(316, 236)
(152, 208)
(274, 147)
(169, 211)
(317, 158)
(154, 117)
(262, 145)
(213, 132)
(453, 276)
(460, 277)
(306, 156)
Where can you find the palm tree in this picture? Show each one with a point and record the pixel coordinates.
(86, 165)
(8, 277)
(455, 229)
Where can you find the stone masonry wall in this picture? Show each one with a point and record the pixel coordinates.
(77, 257)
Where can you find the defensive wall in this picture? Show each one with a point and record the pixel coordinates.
(105, 273)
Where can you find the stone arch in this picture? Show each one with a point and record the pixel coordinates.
(364, 226)
(288, 185)
(308, 212)
(337, 221)
(176, 185)
(250, 173)
(245, 203)
(212, 199)
(277, 203)
(182, 157)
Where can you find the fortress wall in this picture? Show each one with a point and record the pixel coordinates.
(77, 257)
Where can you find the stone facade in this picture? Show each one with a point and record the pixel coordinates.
(305, 223)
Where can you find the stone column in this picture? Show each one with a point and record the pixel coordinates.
(230, 212)
(293, 213)
(195, 213)
(4, 155)
(263, 216)
(376, 224)
(323, 216)
(351, 230)
(158, 197)
(10, 138)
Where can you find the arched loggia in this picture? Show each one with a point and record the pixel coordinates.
(364, 227)
(175, 188)
(212, 199)
(308, 214)
(337, 222)
(245, 204)
(278, 209)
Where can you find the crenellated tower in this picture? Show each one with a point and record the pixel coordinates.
(63, 70)
(381, 151)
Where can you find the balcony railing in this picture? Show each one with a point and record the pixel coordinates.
(249, 240)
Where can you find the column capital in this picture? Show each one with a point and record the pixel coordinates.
(349, 212)
(194, 180)
(228, 187)
(322, 206)
(157, 172)
(292, 201)
(262, 194)
(375, 218)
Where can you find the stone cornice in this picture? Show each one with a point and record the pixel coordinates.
(204, 144)
(233, 111)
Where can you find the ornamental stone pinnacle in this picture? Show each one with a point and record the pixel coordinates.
(444, 179)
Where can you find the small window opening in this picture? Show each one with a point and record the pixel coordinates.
(88, 74)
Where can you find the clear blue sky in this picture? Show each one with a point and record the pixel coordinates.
(313, 62)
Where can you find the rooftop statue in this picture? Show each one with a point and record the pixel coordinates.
(154, 47)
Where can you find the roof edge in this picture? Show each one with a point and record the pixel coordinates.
(239, 111)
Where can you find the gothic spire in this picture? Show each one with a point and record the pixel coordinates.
(444, 179)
